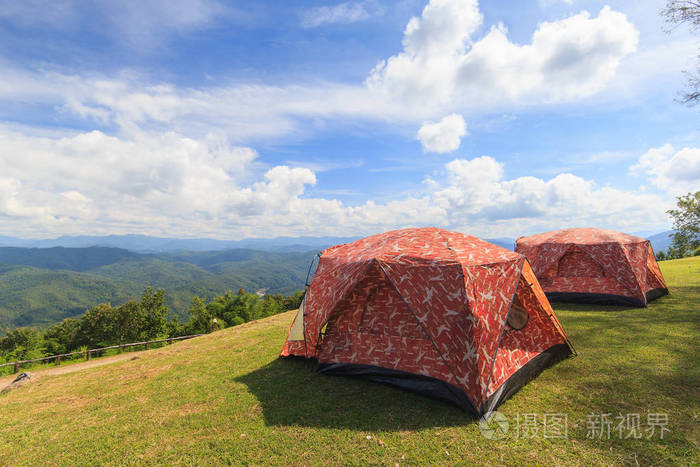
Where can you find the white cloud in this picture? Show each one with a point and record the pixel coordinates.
(443, 68)
(175, 161)
(443, 136)
(566, 60)
(476, 194)
(348, 12)
(171, 185)
(151, 181)
(677, 172)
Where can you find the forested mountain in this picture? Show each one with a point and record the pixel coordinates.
(44, 286)
(41, 286)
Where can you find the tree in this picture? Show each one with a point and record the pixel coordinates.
(686, 222)
(155, 312)
(293, 302)
(200, 316)
(62, 338)
(129, 320)
(22, 344)
(679, 12)
(174, 328)
(97, 326)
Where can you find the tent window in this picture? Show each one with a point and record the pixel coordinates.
(518, 317)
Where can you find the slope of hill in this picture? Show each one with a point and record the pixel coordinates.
(44, 286)
(226, 398)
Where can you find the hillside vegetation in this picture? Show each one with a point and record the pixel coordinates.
(39, 287)
(227, 398)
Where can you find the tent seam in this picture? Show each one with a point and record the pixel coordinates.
(636, 279)
(498, 346)
(422, 327)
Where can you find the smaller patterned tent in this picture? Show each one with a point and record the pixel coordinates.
(431, 311)
(594, 266)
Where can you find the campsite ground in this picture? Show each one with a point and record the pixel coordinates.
(227, 398)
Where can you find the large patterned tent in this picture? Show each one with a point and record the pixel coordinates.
(432, 311)
(594, 266)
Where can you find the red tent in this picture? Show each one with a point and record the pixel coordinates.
(432, 311)
(594, 266)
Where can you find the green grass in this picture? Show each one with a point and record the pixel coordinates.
(227, 398)
(9, 370)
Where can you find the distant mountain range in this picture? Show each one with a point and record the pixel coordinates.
(45, 281)
(661, 241)
(40, 286)
(147, 244)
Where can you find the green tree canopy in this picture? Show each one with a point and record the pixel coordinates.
(686, 222)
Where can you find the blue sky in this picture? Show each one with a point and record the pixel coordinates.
(200, 118)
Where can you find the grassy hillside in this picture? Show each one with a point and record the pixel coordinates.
(44, 286)
(227, 398)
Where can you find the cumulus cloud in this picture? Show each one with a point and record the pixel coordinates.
(443, 136)
(567, 59)
(348, 12)
(476, 192)
(150, 181)
(677, 172)
(171, 185)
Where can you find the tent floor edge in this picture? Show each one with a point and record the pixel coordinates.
(525, 374)
(419, 384)
(653, 294)
(594, 299)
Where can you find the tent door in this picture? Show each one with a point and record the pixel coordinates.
(297, 331)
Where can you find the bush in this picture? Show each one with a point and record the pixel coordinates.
(104, 325)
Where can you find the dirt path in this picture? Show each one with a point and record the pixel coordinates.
(71, 367)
